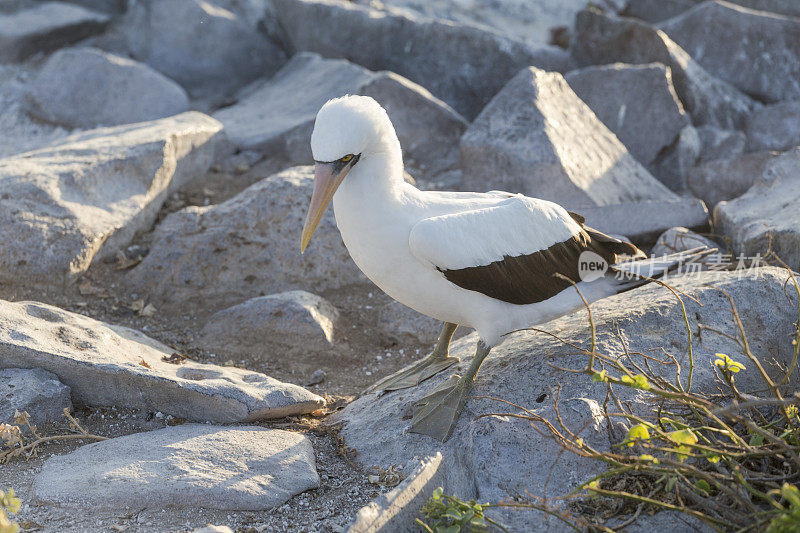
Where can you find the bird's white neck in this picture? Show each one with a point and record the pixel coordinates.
(377, 177)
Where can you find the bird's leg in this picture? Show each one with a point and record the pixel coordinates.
(437, 361)
(437, 413)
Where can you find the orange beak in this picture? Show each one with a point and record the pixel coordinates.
(327, 178)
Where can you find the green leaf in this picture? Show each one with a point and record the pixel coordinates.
(437, 493)
(791, 494)
(756, 440)
(726, 363)
(600, 376)
(455, 528)
(682, 436)
(637, 382)
(702, 484)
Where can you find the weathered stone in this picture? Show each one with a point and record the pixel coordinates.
(86, 88)
(647, 219)
(87, 195)
(111, 7)
(680, 239)
(278, 117)
(601, 39)
(756, 52)
(789, 8)
(35, 391)
(725, 179)
(491, 458)
(766, 216)
(656, 10)
(672, 164)
(193, 465)
(108, 365)
(212, 257)
(45, 27)
(774, 127)
(637, 102)
(206, 48)
(404, 325)
(716, 143)
(293, 322)
(463, 65)
(537, 137)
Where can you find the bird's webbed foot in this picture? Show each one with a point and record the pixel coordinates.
(437, 413)
(415, 374)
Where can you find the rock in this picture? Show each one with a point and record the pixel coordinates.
(406, 326)
(463, 65)
(774, 127)
(209, 258)
(87, 195)
(538, 138)
(716, 143)
(111, 7)
(209, 528)
(396, 510)
(107, 365)
(601, 39)
(656, 10)
(756, 52)
(790, 8)
(208, 49)
(492, 458)
(725, 179)
(672, 164)
(644, 220)
(637, 102)
(36, 391)
(278, 117)
(192, 465)
(680, 239)
(766, 217)
(86, 88)
(317, 377)
(296, 322)
(46, 27)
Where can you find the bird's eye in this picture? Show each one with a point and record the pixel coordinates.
(346, 158)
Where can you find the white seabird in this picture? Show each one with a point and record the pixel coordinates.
(487, 261)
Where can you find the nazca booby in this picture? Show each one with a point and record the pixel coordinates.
(487, 261)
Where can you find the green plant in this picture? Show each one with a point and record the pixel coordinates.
(448, 514)
(8, 504)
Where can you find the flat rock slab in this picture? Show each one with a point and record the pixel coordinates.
(538, 138)
(278, 117)
(210, 258)
(108, 365)
(86, 88)
(35, 391)
(755, 51)
(87, 195)
(490, 458)
(46, 27)
(193, 465)
(461, 64)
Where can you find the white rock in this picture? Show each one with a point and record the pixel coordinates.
(193, 465)
(35, 391)
(108, 365)
(680, 239)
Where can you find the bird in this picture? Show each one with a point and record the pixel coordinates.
(495, 262)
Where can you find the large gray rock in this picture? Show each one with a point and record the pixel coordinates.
(45, 27)
(294, 322)
(193, 465)
(774, 127)
(755, 51)
(600, 39)
(492, 458)
(717, 143)
(672, 164)
(725, 179)
(645, 220)
(637, 102)
(212, 257)
(766, 216)
(86, 88)
(278, 117)
(206, 48)
(108, 365)
(404, 325)
(35, 391)
(656, 10)
(537, 137)
(463, 65)
(87, 195)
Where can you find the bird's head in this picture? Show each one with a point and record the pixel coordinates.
(348, 131)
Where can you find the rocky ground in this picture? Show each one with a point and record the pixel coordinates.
(154, 177)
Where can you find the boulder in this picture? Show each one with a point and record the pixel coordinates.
(680, 239)
(774, 127)
(717, 143)
(538, 138)
(496, 457)
(293, 322)
(211, 51)
(766, 216)
(463, 65)
(790, 8)
(107, 365)
(636, 102)
(277, 118)
(725, 179)
(87, 195)
(645, 220)
(35, 391)
(86, 88)
(672, 164)
(406, 326)
(192, 465)
(600, 39)
(44, 27)
(656, 10)
(209, 258)
(111, 7)
(756, 52)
